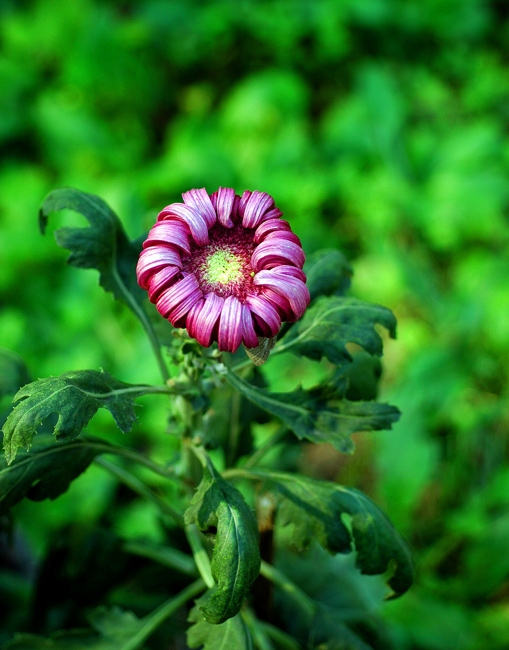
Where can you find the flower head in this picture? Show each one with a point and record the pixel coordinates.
(224, 266)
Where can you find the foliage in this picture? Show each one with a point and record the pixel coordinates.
(379, 126)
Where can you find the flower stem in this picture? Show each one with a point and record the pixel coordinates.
(140, 488)
(152, 621)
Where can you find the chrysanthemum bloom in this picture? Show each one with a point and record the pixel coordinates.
(226, 267)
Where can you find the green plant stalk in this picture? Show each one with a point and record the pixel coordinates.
(167, 556)
(200, 555)
(259, 635)
(280, 580)
(282, 639)
(140, 488)
(152, 621)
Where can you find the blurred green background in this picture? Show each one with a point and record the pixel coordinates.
(381, 128)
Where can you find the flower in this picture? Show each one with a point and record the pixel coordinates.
(226, 267)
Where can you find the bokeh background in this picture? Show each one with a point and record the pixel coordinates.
(381, 128)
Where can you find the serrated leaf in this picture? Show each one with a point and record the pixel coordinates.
(217, 505)
(75, 396)
(315, 509)
(233, 633)
(331, 323)
(44, 473)
(103, 245)
(13, 372)
(328, 273)
(318, 415)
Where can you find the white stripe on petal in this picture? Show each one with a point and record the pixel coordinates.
(230, 325)
(200, 201)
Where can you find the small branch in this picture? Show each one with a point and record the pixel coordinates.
(152, 621)
(140, 488)
(200, 554)
(280, 580)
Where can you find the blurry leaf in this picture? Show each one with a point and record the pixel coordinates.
(328, 273)
(330, 323)
(315, 509)
(318, 415)
(44, 473)
(75, 396)
(115, 627)
(361, 376)
(217, 505)
(13, 372)
(103, 246)
(62, 640)
(233, 633)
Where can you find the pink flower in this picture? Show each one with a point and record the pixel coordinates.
(224, 266)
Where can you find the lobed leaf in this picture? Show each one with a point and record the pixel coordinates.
(315, 509)
(233, 633)
(75, 396)
(331, 323)
(44, 473)
(103, 245)
(217, 505)
(319, 415)
(328, 273)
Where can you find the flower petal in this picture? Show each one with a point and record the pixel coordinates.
(153, 259)
(183, 308)
(271, 225)
(203, 317)
(230, 325)
(160, 281)
(200, 201)
(172, 232)
(249, 336)
(225, 200)
(266, 313)
(178, 292)
(283, 235)
(275, 213)
(243, 202)
(291, 288)
(190, 216)
(256, 206)
(270, 253)
(279, 302)
(292, 271)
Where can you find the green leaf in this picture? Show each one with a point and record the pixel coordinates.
(13, 372)
(331, 323)
(44, 473)
(233, 633)
(218, 506)
(103, 246)
(315, 509)
(114, 628)
(328, 273)
(75, 396)
(318, 415)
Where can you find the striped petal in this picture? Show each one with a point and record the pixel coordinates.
(249, 336)
(268, 318)
(178, 292)
(160, 281)
(243, 202)
(286, 235)
(271, 225)
(200, 201)
(275, 213)
(183, 308)
(172, 232)
(256, 206)
(269, 254)
(203, 317)
(293, 289)
(225, 200)
(280, 303)
(153, 259)
(190, 216)
(229, 336)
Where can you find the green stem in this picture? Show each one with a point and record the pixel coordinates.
(152, 621)
(259, 635)
(140, 488)
(200, 554)
(130, 454)
(169, 557)
(282, 639)
(263, 449)
(285, 584)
